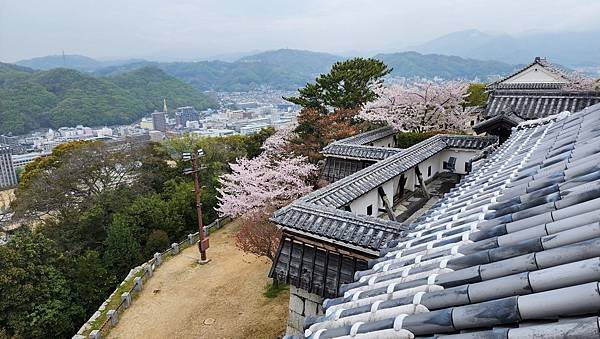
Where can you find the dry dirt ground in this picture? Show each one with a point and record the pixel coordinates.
(223, 299)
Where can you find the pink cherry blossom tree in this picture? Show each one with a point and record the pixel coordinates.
(421, 106)
(263, 182)
(581, 82)
(276, 144)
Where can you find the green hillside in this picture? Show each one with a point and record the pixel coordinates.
(65, 97)
(290, 69)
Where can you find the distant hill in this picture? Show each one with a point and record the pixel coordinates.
(77, 62)
(10, 72)
(300, 60)
(413, 64)
(572, 49)
(66, 97)
(290, 69)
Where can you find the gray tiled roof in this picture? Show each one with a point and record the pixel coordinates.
(318, 214)
(359, 151)
(348, 189)
(357, 147)
(336, 168)
(512, 252)
(538, 104)
(506, 118)
(364, 233)
(368, 137)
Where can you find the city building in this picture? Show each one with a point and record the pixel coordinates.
(13, 142)
(185, 114)
(8, 176)
(253, 128)
(536, 91)
(331, 233)
(19, 161)
(159, 121)
(156, 136)
(146, 123)
(103, 132)
(214, 132)
(511, 252)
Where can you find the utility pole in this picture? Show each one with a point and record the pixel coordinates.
(203, 243)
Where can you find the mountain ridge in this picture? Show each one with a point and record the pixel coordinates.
(572, 49)
(289, 69)
(67, 97)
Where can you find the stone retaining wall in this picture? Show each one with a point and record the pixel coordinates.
(302, 304)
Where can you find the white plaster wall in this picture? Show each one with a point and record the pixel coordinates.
(385, 142)
(388, 188)
(535, 74)
(411, 179)
(359, 206)
(435, 164)
(395, 183)
(462, 156)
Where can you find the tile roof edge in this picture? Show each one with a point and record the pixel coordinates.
(543, 121)
(385, 131)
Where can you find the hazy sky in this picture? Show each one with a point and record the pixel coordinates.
(193, 29)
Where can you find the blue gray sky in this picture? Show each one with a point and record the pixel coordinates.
(196, 29)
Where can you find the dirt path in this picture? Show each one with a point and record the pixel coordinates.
(220, 300)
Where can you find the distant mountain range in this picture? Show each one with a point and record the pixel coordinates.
(77, 62)
(65, 97)
(286, 69)
(571, 49)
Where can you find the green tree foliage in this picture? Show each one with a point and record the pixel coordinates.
(254, 142)
(346, 86)
(219, 152)
(55, 278)
(36, 295)
(477, 95)
(65, 97)
(90, 281)
(407, 139)
(123, 251)
(158, 240)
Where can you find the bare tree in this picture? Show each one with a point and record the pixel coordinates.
(74, 178)
(258, 235)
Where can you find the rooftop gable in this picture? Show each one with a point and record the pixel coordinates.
(538, 74)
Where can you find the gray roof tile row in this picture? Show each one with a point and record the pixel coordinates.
(358, 146)
(368, 137)
(512, 252)
(537, 104)
(359, 151)
(365, 232)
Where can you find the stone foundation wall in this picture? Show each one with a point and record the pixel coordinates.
(302, 304)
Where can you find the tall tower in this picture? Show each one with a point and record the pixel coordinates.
(165, 105)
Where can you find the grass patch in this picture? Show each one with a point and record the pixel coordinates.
(114, 302)
(272, 291)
